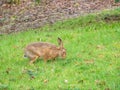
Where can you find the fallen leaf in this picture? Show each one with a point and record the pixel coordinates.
(15, 47)
(66, 81)
(89, 61)
(107, 88)
(100, 47)
(117, 55)
(99, 82)
(45, 81)
(79, 55)
(101, 56)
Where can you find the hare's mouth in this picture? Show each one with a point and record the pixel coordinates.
(63, 57)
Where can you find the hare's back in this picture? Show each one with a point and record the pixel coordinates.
(38, 47)
(41, 45)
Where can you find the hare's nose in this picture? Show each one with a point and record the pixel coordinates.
(64, 56)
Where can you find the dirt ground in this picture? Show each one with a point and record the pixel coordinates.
(28, 14)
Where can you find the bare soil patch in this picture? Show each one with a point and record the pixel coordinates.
(28, 15)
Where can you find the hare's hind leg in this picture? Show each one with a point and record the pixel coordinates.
(33, 59)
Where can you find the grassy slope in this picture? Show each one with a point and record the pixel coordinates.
(93, 57)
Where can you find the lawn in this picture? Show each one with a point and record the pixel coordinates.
(92, 62)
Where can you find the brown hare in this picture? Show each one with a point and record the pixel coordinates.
(45, 51)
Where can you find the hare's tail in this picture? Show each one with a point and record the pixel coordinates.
(24, 56)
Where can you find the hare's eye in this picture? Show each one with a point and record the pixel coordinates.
(64, 52)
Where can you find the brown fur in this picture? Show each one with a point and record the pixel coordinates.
(45, 51)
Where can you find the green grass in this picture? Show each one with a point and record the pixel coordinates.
(92, 63)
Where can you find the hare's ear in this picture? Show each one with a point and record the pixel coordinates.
(60, 43)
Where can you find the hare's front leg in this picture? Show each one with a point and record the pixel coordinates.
(45, 58)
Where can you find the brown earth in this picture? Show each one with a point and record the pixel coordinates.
(28, 14)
